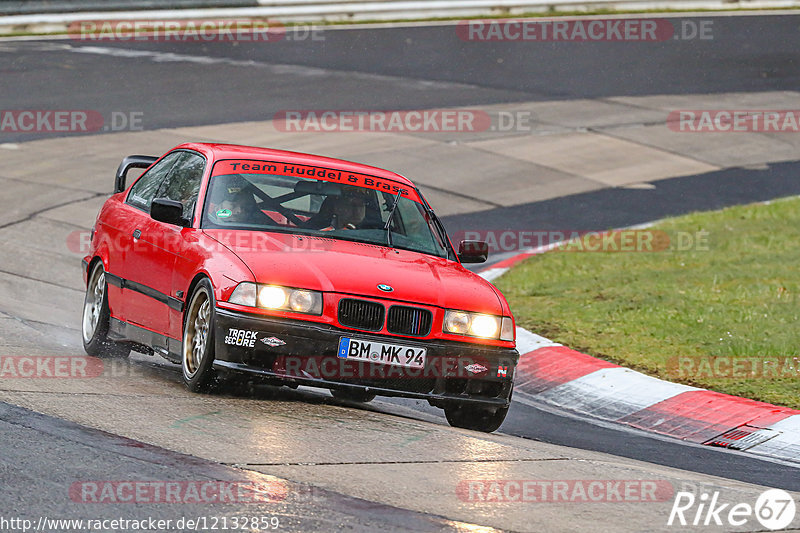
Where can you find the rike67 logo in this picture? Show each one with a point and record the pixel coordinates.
(774, 509)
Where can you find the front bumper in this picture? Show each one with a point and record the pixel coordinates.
(294, 352)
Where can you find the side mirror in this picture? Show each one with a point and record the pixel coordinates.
(168, 211)
(132, 161)
(473, 251)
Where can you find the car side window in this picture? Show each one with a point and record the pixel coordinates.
(145, 188)
(183, 182)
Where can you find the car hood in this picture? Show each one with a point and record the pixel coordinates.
(334, 265)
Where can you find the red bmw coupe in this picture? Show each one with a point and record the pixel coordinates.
(296, 269)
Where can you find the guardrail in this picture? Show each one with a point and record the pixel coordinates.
(65, 11)
(16, 7)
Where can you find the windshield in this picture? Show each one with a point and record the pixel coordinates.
(257, 199)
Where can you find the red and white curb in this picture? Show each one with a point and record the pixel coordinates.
(558, 376)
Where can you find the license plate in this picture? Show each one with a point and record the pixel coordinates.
(379, 352)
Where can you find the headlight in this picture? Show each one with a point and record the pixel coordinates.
(478, 325)
(278, 298)
(244, 294)
(456, 322)
(272, 297)
(302, 301)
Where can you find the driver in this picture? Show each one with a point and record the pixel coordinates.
(348, 210)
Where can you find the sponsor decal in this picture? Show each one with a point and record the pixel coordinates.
(502, 371)
(241, 337)
(272, 341)
(307, 171)
(476, 368)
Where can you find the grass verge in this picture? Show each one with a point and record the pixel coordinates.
(720, 313)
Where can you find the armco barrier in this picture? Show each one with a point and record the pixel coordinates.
(29, 13)
(16, 7)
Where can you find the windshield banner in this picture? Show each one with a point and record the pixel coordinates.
(244, 166)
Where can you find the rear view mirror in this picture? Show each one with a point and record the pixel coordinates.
(132, 161)
(168, 211)
(324, 188)
(473, 252)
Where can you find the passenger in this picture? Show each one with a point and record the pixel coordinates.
(235, 203)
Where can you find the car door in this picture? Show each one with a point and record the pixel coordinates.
(183, 185)
(123, 227)
(157, 246)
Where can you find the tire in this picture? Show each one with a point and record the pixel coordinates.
(197, 349)
(486, 419)
(96, 318)
(351, 395)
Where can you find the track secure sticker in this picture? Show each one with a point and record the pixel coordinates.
(241, 337)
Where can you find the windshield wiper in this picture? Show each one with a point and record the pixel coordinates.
(445, 241)
(389, 220)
